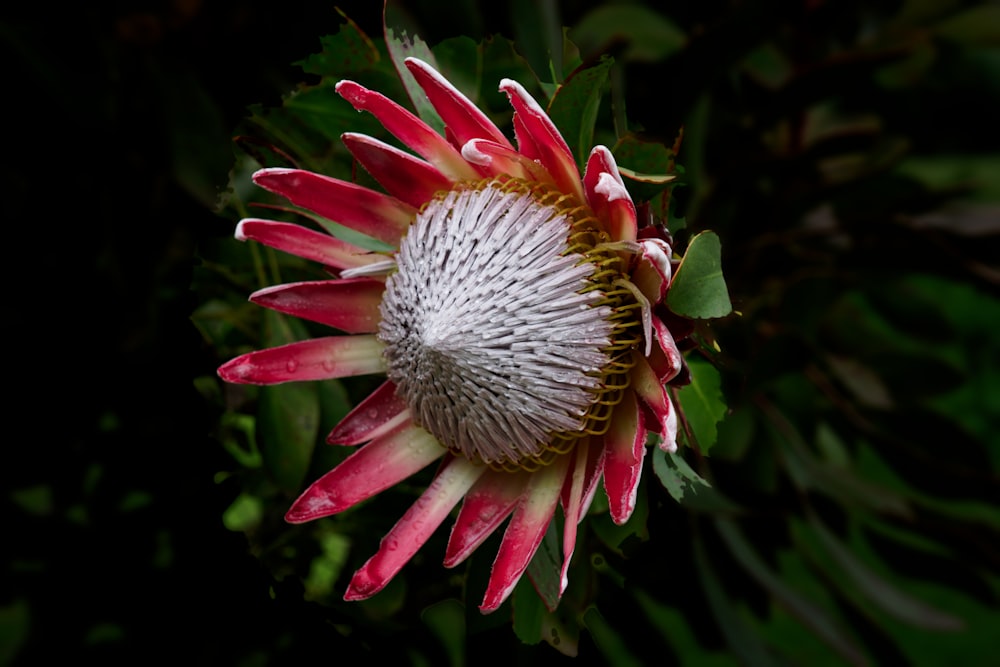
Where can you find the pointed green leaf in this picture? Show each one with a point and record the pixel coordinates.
(574, 107)
(698, 289)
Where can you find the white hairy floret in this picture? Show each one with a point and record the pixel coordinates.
(489, 336)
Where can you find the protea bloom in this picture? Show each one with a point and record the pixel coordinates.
(515, 321)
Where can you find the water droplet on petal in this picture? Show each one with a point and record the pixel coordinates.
(292, 365)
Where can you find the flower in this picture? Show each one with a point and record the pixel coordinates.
(515, 319)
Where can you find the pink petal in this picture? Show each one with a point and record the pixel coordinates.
(409, 129)
(573, 500)
(350, 304)
(538, 138)
(485, 507)
(380, 216)
(314, 359)
(652, 273)
(498, 160)
(464, 119)
(405, 177)
(668, 442)
(382, 411)
(648, 387)
(625, 442)
(665, 357)
(525, 531)
(372, 469)
(607, 195)
(413, 530)
(306, 243)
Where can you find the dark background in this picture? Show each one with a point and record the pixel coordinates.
(118, 118)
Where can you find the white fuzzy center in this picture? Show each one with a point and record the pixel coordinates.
(487, 335)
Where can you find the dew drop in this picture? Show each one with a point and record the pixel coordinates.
(292, 365)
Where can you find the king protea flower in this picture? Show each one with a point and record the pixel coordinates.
(515, 321)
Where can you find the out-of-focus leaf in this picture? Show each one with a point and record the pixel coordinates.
(740, 636)
(703, 403)
(243, 514)
(446, 620)
(574, 107)
(698, 289)
(326, 568)
(825, 627)
(611, 644)
(528, 613)
(678, 635)
(979, 25)
(650, 36)
(15, 623)
(287, 414)
(886, 596)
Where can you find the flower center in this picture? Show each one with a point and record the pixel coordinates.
(503, 327)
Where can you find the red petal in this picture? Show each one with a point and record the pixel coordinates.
(652, 273)
(409, 129)
(413, 530)
(350, 304)
(485, 507)
(573, 496)
(371, 418)
(306, 243)
(607, 195)
(525, 531)
(499, 160)
(373, 213)
(464, 119)
(405, 177)
(648, 387)
(625, 442)
(538, 138)
(665, 358)
(315, 359)
(371, 469)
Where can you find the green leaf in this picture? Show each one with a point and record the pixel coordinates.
(528, 613)
(608, 640)
(698, 289)
(348, 52)
(574, 107)
(648, 166)
(675, 474)
(403, 42)
(650, 35)
(243, 514)
(740, 636)
(288, 415)
(446, 619)
(809, 614)
(703, 403)
(890, 599)
(546, 566)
